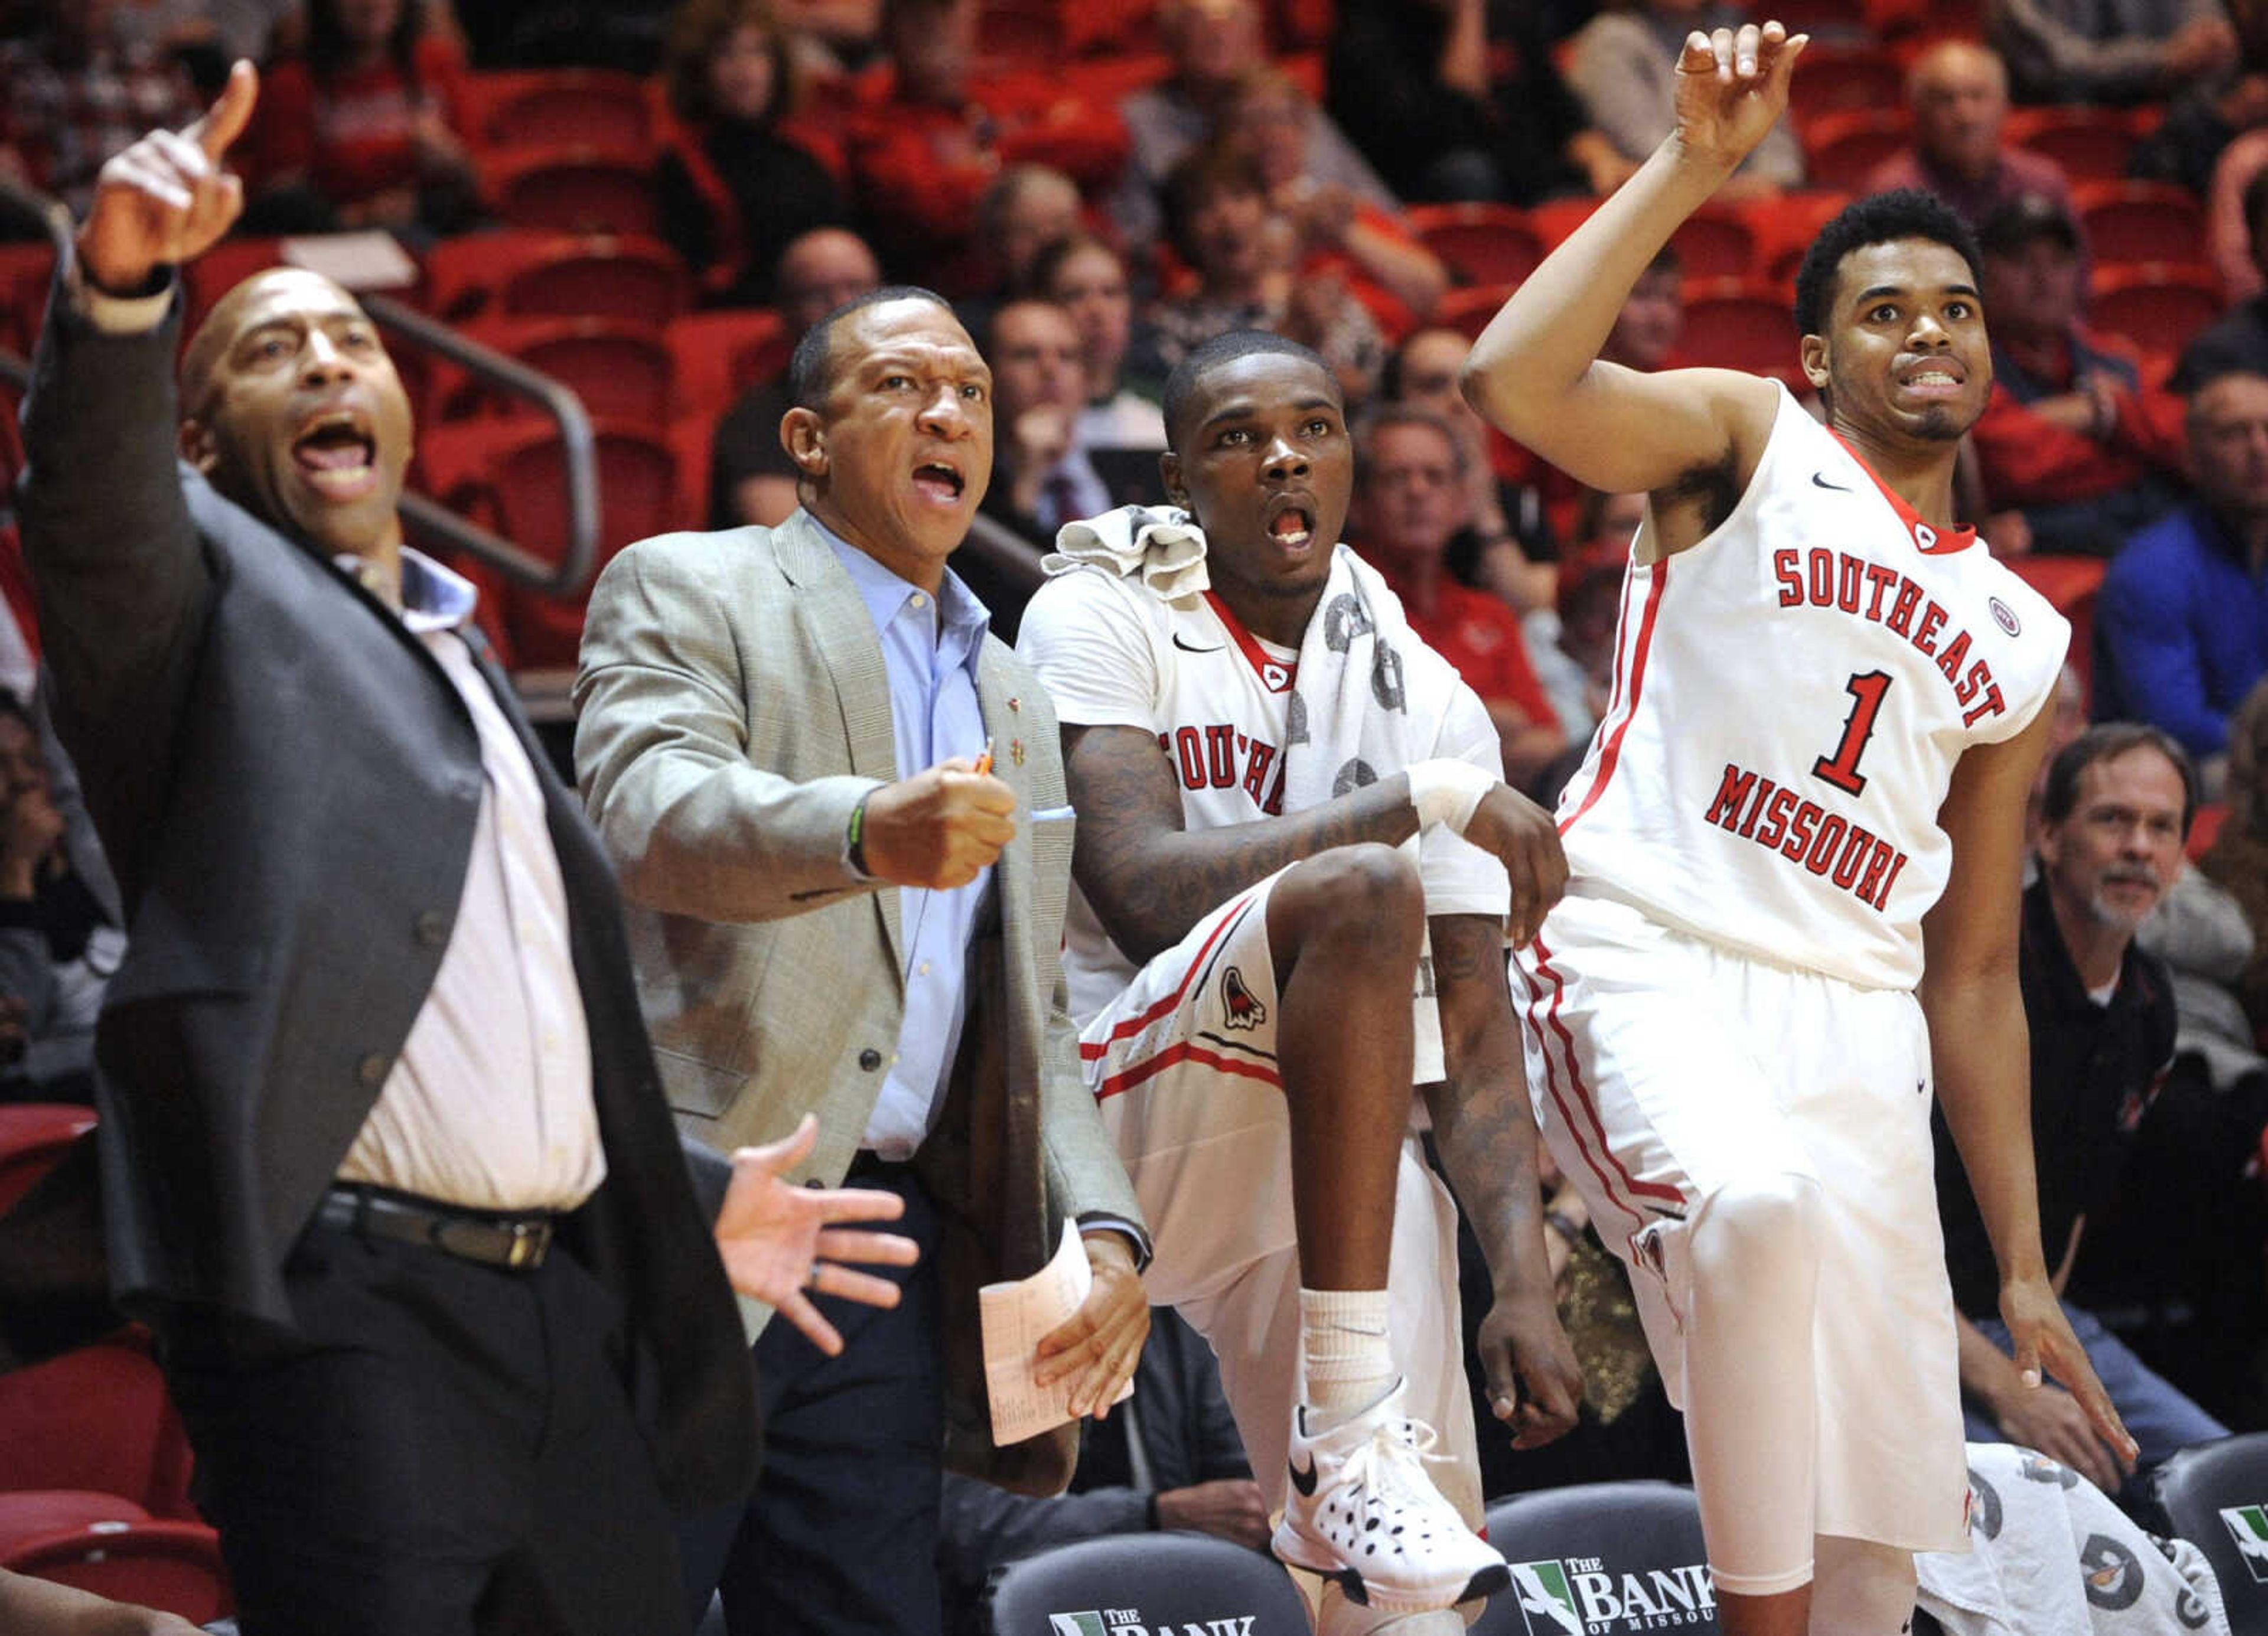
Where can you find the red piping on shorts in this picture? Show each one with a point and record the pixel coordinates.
(1636, 1188)
(1658, 576)
(1091, 1052)
(1127, 1078)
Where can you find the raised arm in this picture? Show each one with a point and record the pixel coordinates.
(1486, 1130)
(120, 582)
(1536, 373)
(1149, 879)
(1981, 1055)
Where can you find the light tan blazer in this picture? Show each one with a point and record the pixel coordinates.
(732, 709)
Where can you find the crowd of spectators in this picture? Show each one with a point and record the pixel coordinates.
(808, 152)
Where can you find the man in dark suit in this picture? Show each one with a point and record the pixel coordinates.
(384, 1160)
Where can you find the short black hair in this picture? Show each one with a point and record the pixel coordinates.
(1879, 218)
(1208, 356)
(2106, 742)
(811, 369)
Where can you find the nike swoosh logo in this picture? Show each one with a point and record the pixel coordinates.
(1820, 478)
(1304, 1481)
(1186, 648)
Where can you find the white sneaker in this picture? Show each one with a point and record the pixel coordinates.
(1362, 1512)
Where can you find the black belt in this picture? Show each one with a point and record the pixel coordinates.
(493, 1239)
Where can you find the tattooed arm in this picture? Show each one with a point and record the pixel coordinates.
(1486, 1135)
(1149, 879)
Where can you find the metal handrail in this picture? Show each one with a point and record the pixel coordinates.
(562, 579)
(29, 204)
(1013, 557)
(577, 444)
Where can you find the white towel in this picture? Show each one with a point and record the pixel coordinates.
(2050, 1555)
(1163, 544)
(1350, 720)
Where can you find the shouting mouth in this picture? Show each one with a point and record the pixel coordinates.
(1292, 525)
(939, 482)
(338, 455)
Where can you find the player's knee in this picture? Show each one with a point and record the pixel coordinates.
(1368, 890)
(1762, 1230)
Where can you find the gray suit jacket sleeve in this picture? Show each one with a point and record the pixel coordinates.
(981, 1527)
(667, 707)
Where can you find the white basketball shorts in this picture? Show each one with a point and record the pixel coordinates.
(1183, 1063)
(1663, 1067)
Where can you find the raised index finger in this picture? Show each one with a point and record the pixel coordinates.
(224, 122)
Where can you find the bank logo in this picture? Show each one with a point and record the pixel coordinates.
(2247, 1525)
(1546, 1602)
(1583, 1597)
(1130, 1622)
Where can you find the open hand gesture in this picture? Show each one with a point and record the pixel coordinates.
(2040, 1335)
(781, 1243)
(1732, 85)
(165, 199)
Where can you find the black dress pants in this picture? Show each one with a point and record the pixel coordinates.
(840, 1538)
(447, 1449)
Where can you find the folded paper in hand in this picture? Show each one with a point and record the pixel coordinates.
(1015, 1316)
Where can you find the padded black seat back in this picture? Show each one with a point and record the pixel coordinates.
(2216, 1496)
(1146, 1585)
(1610, 1556)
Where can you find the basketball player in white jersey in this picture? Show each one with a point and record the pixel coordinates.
(1241, 960)
(1794, 851)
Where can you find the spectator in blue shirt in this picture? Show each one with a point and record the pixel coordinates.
(2184, 612)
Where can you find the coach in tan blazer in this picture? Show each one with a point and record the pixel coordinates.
(737, 748)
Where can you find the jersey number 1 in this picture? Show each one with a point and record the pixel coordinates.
(1841, 768)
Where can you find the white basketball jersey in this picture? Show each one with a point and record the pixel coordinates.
(1218, 698)
(1790, 697)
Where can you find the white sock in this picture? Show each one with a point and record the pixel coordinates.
(1350, 1362)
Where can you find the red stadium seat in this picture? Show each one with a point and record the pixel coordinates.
(32, 1137)
(572, 190)
(174, 1567)
(1836, 79)
(2141, 221)
(219, 270)
(1022, 32)
(557, 275)
(1716, 243)
(2091, 143)
(26, 270)
(1842, 149)
(2159, 309)
(563, 107)
(2204, 827)
(29, 1512)
(510, 473)
(2070, 584)
(617, 369)
(1740, 323)
(720, 355)
(97, 1419)
(1106, 80)
(1785, 229)
(1482, 243)
(1468, 311)
(1556, 219)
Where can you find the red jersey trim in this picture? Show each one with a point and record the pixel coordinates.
(1254, 655)
(1610, 756)
(1947, 544)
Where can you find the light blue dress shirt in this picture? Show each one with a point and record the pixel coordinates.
(929, 648)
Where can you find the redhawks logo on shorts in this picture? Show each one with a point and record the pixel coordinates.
(1244, 1011)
